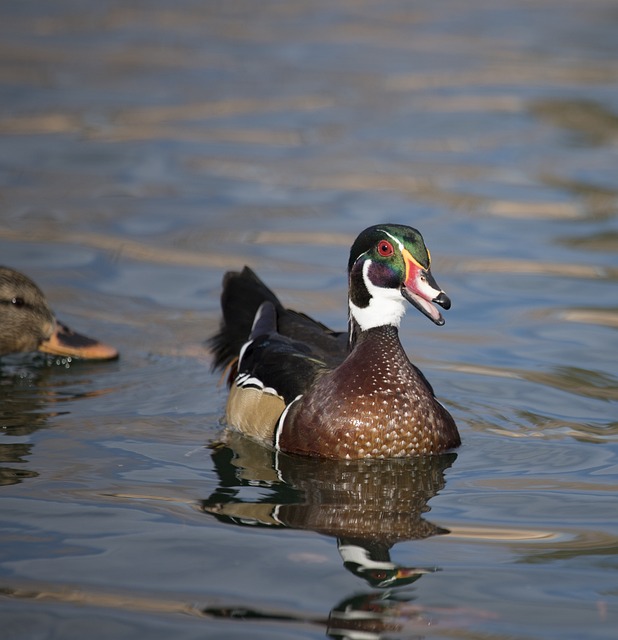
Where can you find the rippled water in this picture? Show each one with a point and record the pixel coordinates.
(145, 149)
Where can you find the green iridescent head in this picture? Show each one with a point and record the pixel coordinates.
(390, 264)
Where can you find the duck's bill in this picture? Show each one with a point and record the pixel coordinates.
(65, 342)
(422, 291)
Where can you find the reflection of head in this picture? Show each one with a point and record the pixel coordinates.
(373, 564)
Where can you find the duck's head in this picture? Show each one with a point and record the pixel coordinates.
(28, 324)
(389, 265)
(372, 563)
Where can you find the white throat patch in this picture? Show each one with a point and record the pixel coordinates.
(386, 306)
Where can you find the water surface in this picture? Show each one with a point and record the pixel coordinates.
(146, 149)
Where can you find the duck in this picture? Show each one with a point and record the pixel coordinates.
(28, 324)
(302, 388)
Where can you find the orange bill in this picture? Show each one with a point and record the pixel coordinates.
(65, 342)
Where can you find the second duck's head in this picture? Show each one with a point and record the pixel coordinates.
(28, 324)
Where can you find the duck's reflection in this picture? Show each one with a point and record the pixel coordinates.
(366, 505)
(33, 389)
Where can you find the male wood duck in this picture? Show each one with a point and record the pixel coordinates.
(28, 324)
(305, 389)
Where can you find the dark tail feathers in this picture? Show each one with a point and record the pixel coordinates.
(243, 293)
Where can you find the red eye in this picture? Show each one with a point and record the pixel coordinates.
(385, 248)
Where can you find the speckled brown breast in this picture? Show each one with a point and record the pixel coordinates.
(374, 405)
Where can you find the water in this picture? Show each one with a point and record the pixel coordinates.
(145, 149)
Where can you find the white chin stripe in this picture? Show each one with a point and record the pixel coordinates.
(386, 306)
(378, 313)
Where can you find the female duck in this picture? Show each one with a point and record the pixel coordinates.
(28, 324)
(305, 389)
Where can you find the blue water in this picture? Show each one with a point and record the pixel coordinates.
(148, 148)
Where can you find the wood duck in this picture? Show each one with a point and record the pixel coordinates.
(28, 324)
(305, 389)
